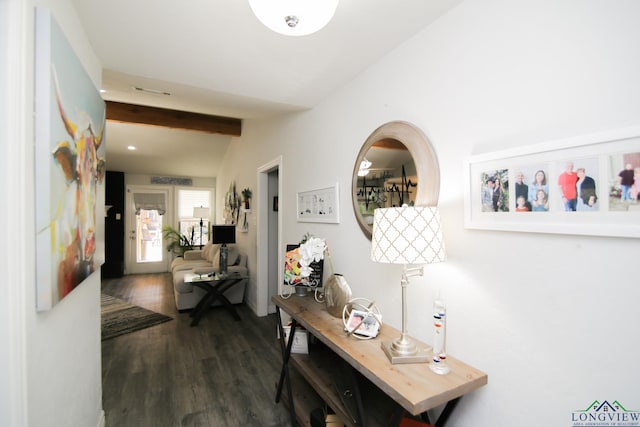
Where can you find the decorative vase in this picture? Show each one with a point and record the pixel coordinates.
(439, 365)
(337, 294)
(301, 290)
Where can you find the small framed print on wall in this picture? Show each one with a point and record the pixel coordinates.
(587, 185)
(319, 205)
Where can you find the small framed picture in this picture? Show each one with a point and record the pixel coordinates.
(366, 324)
(319, 205)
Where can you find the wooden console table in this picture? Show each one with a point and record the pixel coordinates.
(389, 389)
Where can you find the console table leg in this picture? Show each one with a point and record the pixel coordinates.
(425, 417)
(284, 373)
(446, 412)
(356, 394)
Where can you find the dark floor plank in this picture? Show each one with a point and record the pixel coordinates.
(219, 373)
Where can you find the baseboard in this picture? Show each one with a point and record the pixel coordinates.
(101, 419)
(252, 306)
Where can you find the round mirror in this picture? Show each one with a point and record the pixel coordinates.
(396, 165)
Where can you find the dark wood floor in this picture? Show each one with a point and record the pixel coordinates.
(219, 373)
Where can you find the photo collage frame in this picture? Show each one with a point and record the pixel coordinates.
(588, 185)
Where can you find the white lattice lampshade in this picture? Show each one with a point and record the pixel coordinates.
(407, 235)
(294, 17)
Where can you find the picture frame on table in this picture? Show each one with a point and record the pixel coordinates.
(569, 186)
(315, 278)
(364, 324)
(321, 205)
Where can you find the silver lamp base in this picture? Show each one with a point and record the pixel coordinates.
(224, 256)
(404, 351)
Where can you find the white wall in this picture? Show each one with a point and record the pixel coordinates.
(12, 369)
(552, 319)
(53, 357)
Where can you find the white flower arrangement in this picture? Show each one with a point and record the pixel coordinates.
(311, 251)
(299, 260)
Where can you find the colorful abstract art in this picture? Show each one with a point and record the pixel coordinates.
(69, 167)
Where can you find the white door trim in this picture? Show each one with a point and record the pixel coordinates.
(262, 232)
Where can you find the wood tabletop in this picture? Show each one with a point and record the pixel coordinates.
(414, 386)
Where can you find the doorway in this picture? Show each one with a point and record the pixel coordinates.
(146, 214)
(269, 235)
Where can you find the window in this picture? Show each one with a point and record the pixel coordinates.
(189, 225)
(189, 199)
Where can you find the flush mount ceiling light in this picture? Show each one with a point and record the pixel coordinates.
(294, 17)
(364, 167)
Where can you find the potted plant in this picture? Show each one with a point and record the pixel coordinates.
(178, 243)
(246, 195)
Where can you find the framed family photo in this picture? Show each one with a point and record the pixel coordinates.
(587, 185)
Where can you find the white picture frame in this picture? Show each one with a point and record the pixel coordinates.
(603, 155)
(321, 205)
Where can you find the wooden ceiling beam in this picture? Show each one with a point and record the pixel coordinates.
(154, 116)
(390, 143)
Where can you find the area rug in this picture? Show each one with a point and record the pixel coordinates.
(119, 317)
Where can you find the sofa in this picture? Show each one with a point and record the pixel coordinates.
(204, 261)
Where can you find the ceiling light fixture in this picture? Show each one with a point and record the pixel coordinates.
(294, 17)
(364, 167)
(131, 148)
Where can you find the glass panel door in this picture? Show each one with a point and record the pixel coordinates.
(148, 236)
(144, 247)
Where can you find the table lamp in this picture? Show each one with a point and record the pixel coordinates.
(201, 213)
(223, 234)
(407, 235)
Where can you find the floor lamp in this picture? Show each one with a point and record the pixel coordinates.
(407, 235)
(201, 213)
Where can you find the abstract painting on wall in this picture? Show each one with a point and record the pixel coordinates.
(69, 167)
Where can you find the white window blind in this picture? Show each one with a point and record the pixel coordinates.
(189, 199)
(150, 201)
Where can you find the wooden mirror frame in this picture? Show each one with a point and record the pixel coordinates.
(424, 158)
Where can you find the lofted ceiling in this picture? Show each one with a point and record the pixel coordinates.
(214, 57)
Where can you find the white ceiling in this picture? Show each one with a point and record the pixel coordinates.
(215, 57)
